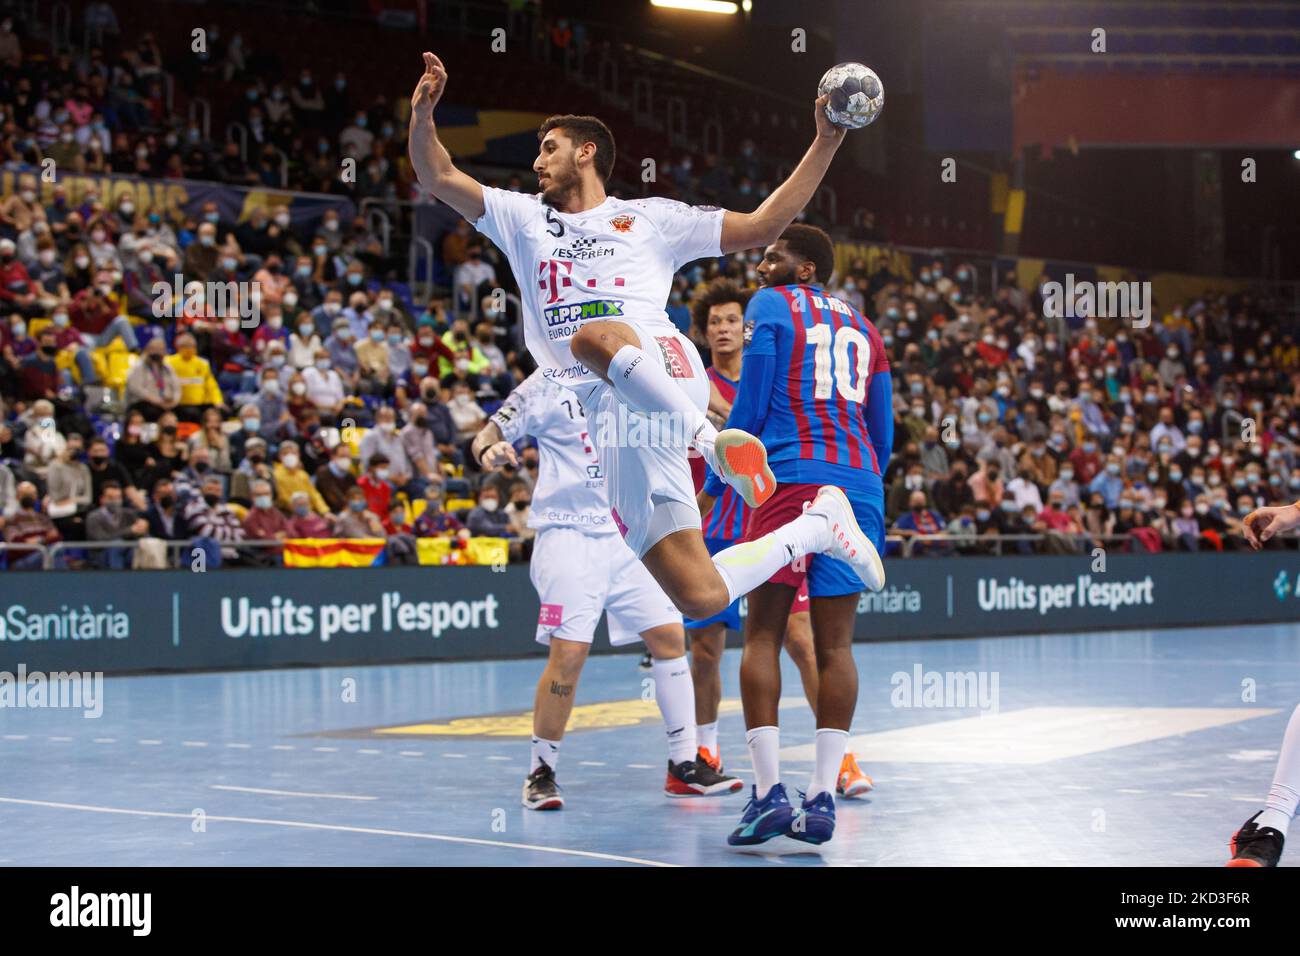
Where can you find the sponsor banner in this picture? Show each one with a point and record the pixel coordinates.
(183, 197)
(181, 620)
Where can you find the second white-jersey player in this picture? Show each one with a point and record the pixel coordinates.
(594, 273)
(581, 569)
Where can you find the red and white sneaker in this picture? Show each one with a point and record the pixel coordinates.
(852, 782)
(845, 539)
(707, 756)
(695, 778)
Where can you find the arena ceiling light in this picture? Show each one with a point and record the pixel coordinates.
(699, 6)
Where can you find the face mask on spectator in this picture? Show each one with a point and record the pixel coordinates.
(81, 262)
(45, 257)
(332, 308)
(376, 335)
(1067, 474)
(382, 474)
(301, 510)
(357, 504)
(212, 500)
(262, 501)
(341, 466)
(298, 388)
(290, 461)
(207, 240)
(419, 369)
(354, 278)
(323, 365)
(489, 504)
(231, 325)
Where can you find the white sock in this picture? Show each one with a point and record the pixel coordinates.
(1284, 795)
(764, 753)
(640, 380)
(675, 694)
(544, 750)
(831, 744)
(744, 567)
(706, 736)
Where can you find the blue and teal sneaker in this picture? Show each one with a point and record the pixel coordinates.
(814, 822)
(763, 819)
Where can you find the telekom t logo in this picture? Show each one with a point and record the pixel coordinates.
(555, 275)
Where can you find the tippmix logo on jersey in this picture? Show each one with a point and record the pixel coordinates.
(623, 223)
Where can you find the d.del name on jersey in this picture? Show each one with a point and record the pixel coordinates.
(614, 261)
(570, 489)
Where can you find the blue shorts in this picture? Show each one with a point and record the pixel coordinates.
(730, 615)
(826, 576)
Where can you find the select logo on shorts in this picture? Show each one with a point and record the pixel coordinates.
(551, 615)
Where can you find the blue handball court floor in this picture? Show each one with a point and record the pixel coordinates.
(1132, 748)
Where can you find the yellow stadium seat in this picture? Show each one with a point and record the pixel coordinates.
(455, 504)
(353, 437)
(35, 326)
(415, 509)
(240, 511)
(119, 367)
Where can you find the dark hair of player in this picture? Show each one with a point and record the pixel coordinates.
(813, 245)
(718, 292)
(582, 130)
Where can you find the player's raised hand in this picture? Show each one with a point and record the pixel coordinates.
(1262, 523)
(825, 128)
(429, 90)
(498, 454)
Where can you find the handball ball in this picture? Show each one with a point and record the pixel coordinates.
(856, 95)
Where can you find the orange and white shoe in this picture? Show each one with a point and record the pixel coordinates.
(852, 781)
(695, 778)
(713, 760)
(740, 460)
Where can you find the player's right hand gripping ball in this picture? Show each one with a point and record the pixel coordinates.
(856, 95)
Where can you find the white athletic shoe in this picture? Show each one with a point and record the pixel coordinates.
(740, 459)
(845, 539)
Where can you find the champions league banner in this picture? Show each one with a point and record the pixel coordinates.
(241, 619)
(182, 197)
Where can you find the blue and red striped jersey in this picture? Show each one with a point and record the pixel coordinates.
(726, 520)
(816, 388)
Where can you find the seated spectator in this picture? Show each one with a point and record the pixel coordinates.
(290, 477)
(488, 519)
(27, 526)
(466, 413)
(252, 467)
(1059, 527)
(68, 491)
(435, 522)
(210, 517)
(334, 479)
(305, 523)
(164, 515)
(375, 484)
(384, 439)
(324, 387)
(358, 521)
(212, 437)
(264, 521)
(416, 438)
(114, 521)
(131, 450)
(920, 520)
(152, 385)
(199, 389)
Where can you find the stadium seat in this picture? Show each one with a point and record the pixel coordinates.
(461, 504)
(415, 508)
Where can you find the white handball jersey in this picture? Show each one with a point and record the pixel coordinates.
(570, 489)
(615, 261)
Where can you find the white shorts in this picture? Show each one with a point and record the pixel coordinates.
(578, 576)
(651, 492)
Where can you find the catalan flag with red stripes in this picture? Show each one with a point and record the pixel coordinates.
(334, 552)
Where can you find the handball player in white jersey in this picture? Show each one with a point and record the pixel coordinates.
(581, 568)
(594, 275)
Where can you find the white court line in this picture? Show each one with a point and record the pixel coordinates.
(15, 736)
(1247, 799)
(1201, 796)
(149, 743)
(239, 746)
(498, 757)
(105, 740)
(1127, 790)
(326, 750)
(455, 756)
(194, 743)
(292, 793)
(283, 747)
(59, 739)
(410, 753)
(304, 825)
(367, 750)
(591, 763)
(640, 766)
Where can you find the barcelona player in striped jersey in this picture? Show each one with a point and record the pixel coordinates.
(815, 387)
(718, 317)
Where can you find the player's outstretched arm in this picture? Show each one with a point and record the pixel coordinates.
(1262, 523)
(429, 158)
(763, 226)
(490, 448)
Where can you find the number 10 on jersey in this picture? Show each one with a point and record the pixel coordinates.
(850, 376)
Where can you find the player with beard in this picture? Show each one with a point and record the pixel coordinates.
(595, 273)
(815, 386)
(1260, 839)
(718, 315)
